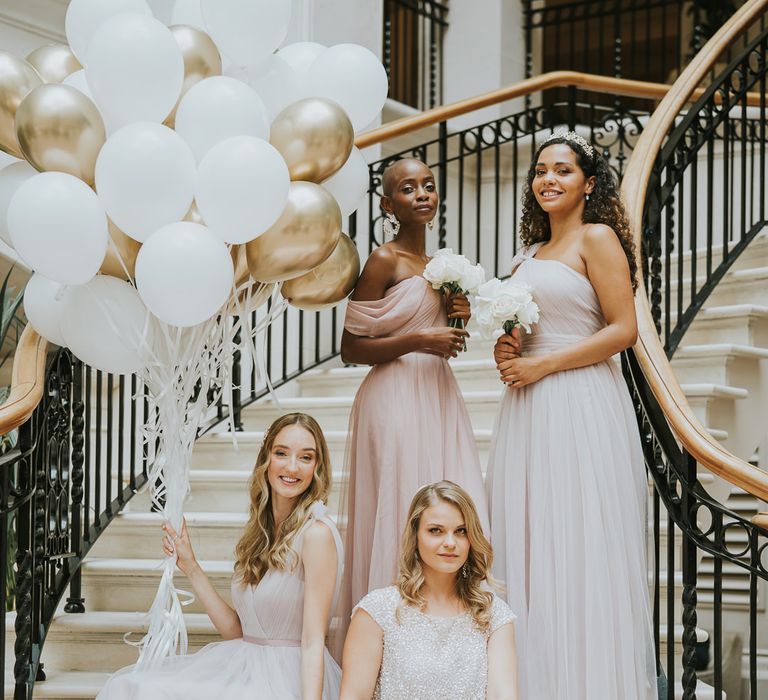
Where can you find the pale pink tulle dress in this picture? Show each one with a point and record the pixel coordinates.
(567, 489)
(409, 427)
(265, 664)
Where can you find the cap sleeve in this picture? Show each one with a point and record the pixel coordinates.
(501, 614)
(381, 605)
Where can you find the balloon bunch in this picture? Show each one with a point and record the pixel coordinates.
(152, 154)
(171, 179)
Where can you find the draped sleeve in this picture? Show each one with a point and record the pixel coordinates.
(523, 254)
(382, 317)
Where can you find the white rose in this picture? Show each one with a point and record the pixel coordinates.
(489, 290)
(472, 278)
(528, 315)
(436, 272)
(506, 307)
(457, 264)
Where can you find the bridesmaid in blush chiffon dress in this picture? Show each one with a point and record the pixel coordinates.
(285, 586)
(566, 476)
(409, 425)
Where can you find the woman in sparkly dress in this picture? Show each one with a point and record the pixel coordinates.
(440, 632)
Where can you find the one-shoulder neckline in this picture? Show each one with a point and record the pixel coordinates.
(565, 265)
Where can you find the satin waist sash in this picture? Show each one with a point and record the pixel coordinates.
(264, 642)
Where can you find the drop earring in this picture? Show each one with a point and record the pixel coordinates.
(464, 571)
(390, 225)
(431, 224)
(587, 197)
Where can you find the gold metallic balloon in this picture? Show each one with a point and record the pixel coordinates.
(201, 60)
(17, 80)
(193, 215)
(305, 234)
(54, 62)
(127, 248)
(60, 129)
(329, 283)
(240, 263)
(314, 136)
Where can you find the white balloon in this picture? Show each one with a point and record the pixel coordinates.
(350, 183)
(184, 273)
(353, 77)
(43, 307)
(84, 17)
(247, 31)
(59, 227)
(135, 70)
(188, 12)
(242, 188)
(276, 83)
(11, 177)
(107, 326)
(78, 81)
(145, 177)
(219, 108)
(300, 56)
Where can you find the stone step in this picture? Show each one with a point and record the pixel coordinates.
(745, 324)
(741, 286)
(95, 640)
(727, 364)
(64, 685)
(139, 535)
(333, 412)
(215, 451)
(712, 403)
(129, 585)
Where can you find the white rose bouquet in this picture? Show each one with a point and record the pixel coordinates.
(499, 307)
(453, 273)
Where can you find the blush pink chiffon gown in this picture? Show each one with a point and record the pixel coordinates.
(409, 427)
(567, 489)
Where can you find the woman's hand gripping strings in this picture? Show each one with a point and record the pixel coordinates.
(224, 618)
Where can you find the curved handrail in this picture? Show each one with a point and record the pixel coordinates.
(529, 86)
(650, 354)
(27, 380)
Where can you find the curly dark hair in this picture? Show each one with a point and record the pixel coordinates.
(603, 207)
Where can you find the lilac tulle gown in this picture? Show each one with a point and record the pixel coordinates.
(409, 427)
(567, 491)
(264, 664)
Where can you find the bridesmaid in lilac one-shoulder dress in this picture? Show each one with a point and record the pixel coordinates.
(409, 425)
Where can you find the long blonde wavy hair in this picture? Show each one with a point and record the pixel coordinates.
(264, 546)
(472, 590)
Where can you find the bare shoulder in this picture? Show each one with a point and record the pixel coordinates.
(377, 274)
(383, 260)
(318, 536)
(600, 243)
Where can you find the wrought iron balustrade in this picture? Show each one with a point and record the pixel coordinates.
(413, 50)
(705, 203)
(78, 460)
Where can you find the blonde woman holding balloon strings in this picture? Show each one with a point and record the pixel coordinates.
(289, 562)
(409, 425)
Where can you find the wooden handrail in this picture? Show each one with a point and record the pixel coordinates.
(650, 353)
(545, 81)
(27, 380)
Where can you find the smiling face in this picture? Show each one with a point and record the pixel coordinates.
(443, 543)
(559, 184)
(292, 462)
(410, 192)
